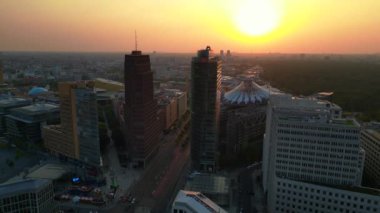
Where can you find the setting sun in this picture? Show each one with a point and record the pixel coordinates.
(257, 17)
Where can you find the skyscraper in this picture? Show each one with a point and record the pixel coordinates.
(142, 127)
(206, 73)
(77, 136)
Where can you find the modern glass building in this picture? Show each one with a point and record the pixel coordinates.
(206, 73)
(77, 135)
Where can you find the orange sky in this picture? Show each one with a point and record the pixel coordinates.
(320, 26)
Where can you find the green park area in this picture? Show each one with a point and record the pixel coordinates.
(355, 83)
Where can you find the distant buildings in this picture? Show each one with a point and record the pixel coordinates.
(205, 98)
(312, 160)
(25, 123)
(142, 125)
(168, 112)
(77, 136)
(195, 202)
(27, 196)
(172, 106)
(370, 142)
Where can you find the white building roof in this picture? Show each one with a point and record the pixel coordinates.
(197, 202)
(247, 92)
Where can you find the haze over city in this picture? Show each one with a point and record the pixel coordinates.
(213, 106)
(287, 26)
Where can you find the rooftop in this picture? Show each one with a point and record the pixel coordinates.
(37, 108)
(107, 81)
(247, 92)
(7, 189)
(13, 101)
(198, 202)
(209, 183)
(48, 171)
(291, 102)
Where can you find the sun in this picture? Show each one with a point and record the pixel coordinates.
(257, 17)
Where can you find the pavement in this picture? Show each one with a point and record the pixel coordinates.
(21, 164)
(250, 197)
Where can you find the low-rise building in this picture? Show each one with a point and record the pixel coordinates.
(168, 114)
(25, 123)
(27, 196)
(194, 202)
(6, 105)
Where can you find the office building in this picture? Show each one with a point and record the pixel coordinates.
(141, 120)
(77, 136)
(370, 142)
(205, 98)
(30, 195)
(194, 202)
(25, 123)
(6, 104)
(309, 147)
(168, 111)
(243, 118)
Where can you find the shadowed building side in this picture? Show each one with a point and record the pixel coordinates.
(142, 127)
(206, 74)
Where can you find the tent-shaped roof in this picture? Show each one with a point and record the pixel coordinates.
(247, 92)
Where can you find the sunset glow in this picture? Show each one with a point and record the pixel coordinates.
(257, 17)
(183, 26)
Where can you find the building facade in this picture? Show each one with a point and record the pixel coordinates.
(34, 196)
(243, 118)
(205, 99)
(307, 141)
(141, 120)
(77, 136)
(370, 142)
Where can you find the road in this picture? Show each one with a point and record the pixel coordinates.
(244, 189)
(157, 183)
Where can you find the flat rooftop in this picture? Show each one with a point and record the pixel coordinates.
(37, 108)
(307, 103)
(107, 81)
(22, 186)
(13, 101)
(209, 184)
(48, 171)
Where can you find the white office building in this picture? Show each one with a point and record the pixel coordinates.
(308, 145)
(370, 142)
(194, 202)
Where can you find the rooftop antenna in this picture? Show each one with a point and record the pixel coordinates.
(135, 40)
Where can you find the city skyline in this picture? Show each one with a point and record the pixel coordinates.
(284, 26)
